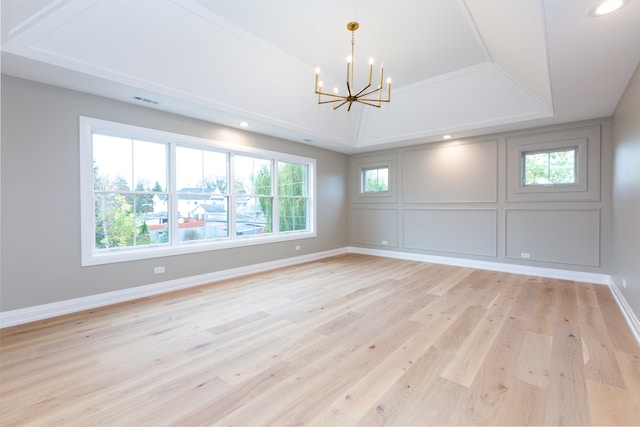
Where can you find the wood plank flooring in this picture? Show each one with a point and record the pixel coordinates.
(349, 340)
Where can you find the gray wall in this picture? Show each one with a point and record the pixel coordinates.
(626, 193)
(40, 254)
(463, 199)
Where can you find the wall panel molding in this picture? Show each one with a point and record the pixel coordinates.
(464, 231)
(562, 236)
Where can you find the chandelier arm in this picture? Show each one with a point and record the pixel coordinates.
(373, 100)
(370, 102)
(367, 101)
(370, 92)
(362, 90)
(330, 101)
(364, 97)
(340, 105)
(333, 95)
(349, 88)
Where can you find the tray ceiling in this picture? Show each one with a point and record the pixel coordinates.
(458, 67)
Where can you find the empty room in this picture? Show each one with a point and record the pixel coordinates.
(354, 212)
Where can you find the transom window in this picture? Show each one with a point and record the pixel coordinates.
(549, 167)
(148, 193)
(375, 179)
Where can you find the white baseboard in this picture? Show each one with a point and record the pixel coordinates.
(552, 273)
(628, 314)
(45, 311)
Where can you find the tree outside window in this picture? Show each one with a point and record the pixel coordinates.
(375, 180)
(549, 167)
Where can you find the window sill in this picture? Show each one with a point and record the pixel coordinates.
(124, 255)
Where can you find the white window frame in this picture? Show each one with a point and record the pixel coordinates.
(91, 256)
(362, 168)
(363, 184)
(580, 184)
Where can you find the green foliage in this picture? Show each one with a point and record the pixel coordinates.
(115, 214)
(114, 221)
(262, 186)
(554, 167)
(143, 202)
(292, 186)
(376, 180)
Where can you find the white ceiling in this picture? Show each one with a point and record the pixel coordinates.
(460, 67)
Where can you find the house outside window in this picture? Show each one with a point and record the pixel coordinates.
(148, 193)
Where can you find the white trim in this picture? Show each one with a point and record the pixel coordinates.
(90, 256)
(626, 310)
(46, 311)
(552, 273)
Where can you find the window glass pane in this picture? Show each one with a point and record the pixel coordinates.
(155, 222)
(202, 216)
(375, 180)
(292, 179)
(253, 190)
(252, 176)
(125, 164)
(112, 163)
(550, 167)
(114, 219)
(201, 169)
(127, 175)
(253, 215)
(149, 166)
(293, 213)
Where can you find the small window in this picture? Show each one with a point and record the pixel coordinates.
(375, 180)
(549, 167)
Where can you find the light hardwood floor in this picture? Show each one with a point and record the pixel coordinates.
(350, 340)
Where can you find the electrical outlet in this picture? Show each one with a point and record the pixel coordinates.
(525, 255)
(624, 283)
(384, 242)
(158, 270)
(298, 247)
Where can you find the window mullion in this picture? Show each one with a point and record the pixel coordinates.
(231, 191)
(172, 215)
(275, 205)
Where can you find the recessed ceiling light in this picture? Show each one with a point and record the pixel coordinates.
(447, 136)
(244, 124)
(606, 7)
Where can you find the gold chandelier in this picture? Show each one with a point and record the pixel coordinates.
(364, 96)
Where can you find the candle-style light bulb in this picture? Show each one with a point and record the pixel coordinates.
(370, 69)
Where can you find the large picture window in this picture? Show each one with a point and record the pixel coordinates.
(148, 193)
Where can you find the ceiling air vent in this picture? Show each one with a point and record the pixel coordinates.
(147, 100)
